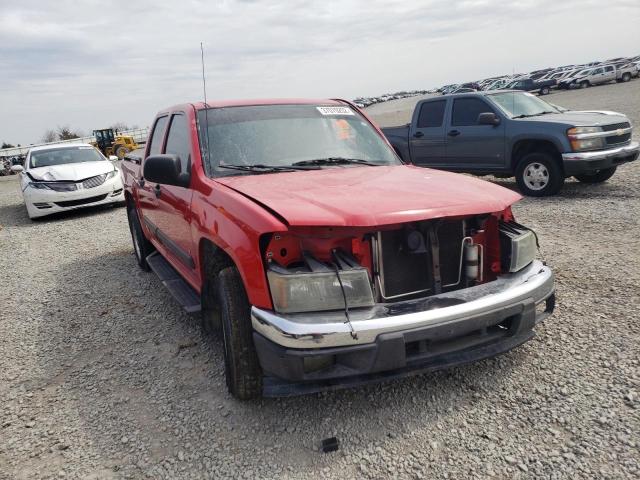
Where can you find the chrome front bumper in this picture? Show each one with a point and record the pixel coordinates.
(612, 153)
(535, 283)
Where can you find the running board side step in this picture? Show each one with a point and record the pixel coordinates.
(186, 296)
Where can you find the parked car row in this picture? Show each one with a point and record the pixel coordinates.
(362, 102)
(621, 69)
(542, 81)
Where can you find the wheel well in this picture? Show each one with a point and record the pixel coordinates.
(524, 147)
(128, 199)
(213, 258)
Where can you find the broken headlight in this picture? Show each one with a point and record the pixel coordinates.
(518, 246)
(313, 286)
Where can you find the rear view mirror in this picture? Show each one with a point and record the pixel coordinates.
(113, 158)
(17, 168)
(488, 118)
(165, 169)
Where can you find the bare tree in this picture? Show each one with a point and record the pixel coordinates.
(49, 136)
(120, 126)
(65, 133)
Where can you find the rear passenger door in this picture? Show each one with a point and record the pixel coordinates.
(470, 146)
(173, 220)
(597, 76)
(609, 74)
(146, 197)
(427, 134)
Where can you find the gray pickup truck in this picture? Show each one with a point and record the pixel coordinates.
(510, 133)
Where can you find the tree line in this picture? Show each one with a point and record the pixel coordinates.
(65, 132)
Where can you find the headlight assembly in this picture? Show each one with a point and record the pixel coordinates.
(518, 246)
(112, 173)
(586, 138)
(315, 287)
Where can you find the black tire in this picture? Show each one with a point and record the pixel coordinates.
(241, 367)
(142, 247)
(597, 177)
(121, 151)
(626, 77)
(544, 91)
(538, 174)
(585, 84)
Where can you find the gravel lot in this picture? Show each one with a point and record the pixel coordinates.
(102, 376)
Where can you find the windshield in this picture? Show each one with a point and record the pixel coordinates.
(60, 156)
(281, 135)
(583, 73)
(522, 104)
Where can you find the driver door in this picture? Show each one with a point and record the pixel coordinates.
(470, 146)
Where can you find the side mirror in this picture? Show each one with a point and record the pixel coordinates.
(165, 169)
(488, 118)
(113, 158)
(17, 168)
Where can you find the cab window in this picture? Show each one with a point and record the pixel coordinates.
(178, 141)
(466, 111)
(155, 145)
(431, 114)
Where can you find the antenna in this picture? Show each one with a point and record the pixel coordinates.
(206, 107)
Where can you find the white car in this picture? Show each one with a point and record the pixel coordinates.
(57, 178)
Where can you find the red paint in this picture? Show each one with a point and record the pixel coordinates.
(320, 209)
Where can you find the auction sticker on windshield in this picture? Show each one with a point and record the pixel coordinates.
(335, 111)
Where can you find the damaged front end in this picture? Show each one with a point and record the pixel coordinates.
(352, 304)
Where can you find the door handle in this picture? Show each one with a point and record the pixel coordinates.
(418, 134)
(141, 182)
(453, 133)
(157, 191)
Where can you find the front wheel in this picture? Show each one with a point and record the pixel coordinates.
(121, 151)
(597, 177)
(626, 77)
(544, 91)
(141, 246)
(585, 84)
(241, 367)
(539, 175)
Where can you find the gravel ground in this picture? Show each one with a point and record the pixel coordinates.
(102, 376)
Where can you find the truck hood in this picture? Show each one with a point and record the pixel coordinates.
(72, 172)
(367, 196)
(581, 119)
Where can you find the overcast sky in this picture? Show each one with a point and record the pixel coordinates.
(89, 64)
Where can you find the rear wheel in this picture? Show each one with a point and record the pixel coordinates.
(597, 177)
(141, 246)
(242, 369)
(539, 175)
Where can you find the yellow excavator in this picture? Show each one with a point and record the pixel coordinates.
(110, 143)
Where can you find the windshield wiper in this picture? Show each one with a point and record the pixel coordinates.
(261, 168)
(525, 115)
(334, 161)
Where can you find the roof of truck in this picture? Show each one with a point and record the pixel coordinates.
(251, 102)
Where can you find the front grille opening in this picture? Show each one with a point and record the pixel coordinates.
(421, 259)
(81, 201)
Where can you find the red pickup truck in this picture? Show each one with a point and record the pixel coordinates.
(294, 227)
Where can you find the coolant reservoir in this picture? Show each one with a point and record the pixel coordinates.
(471, 260)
